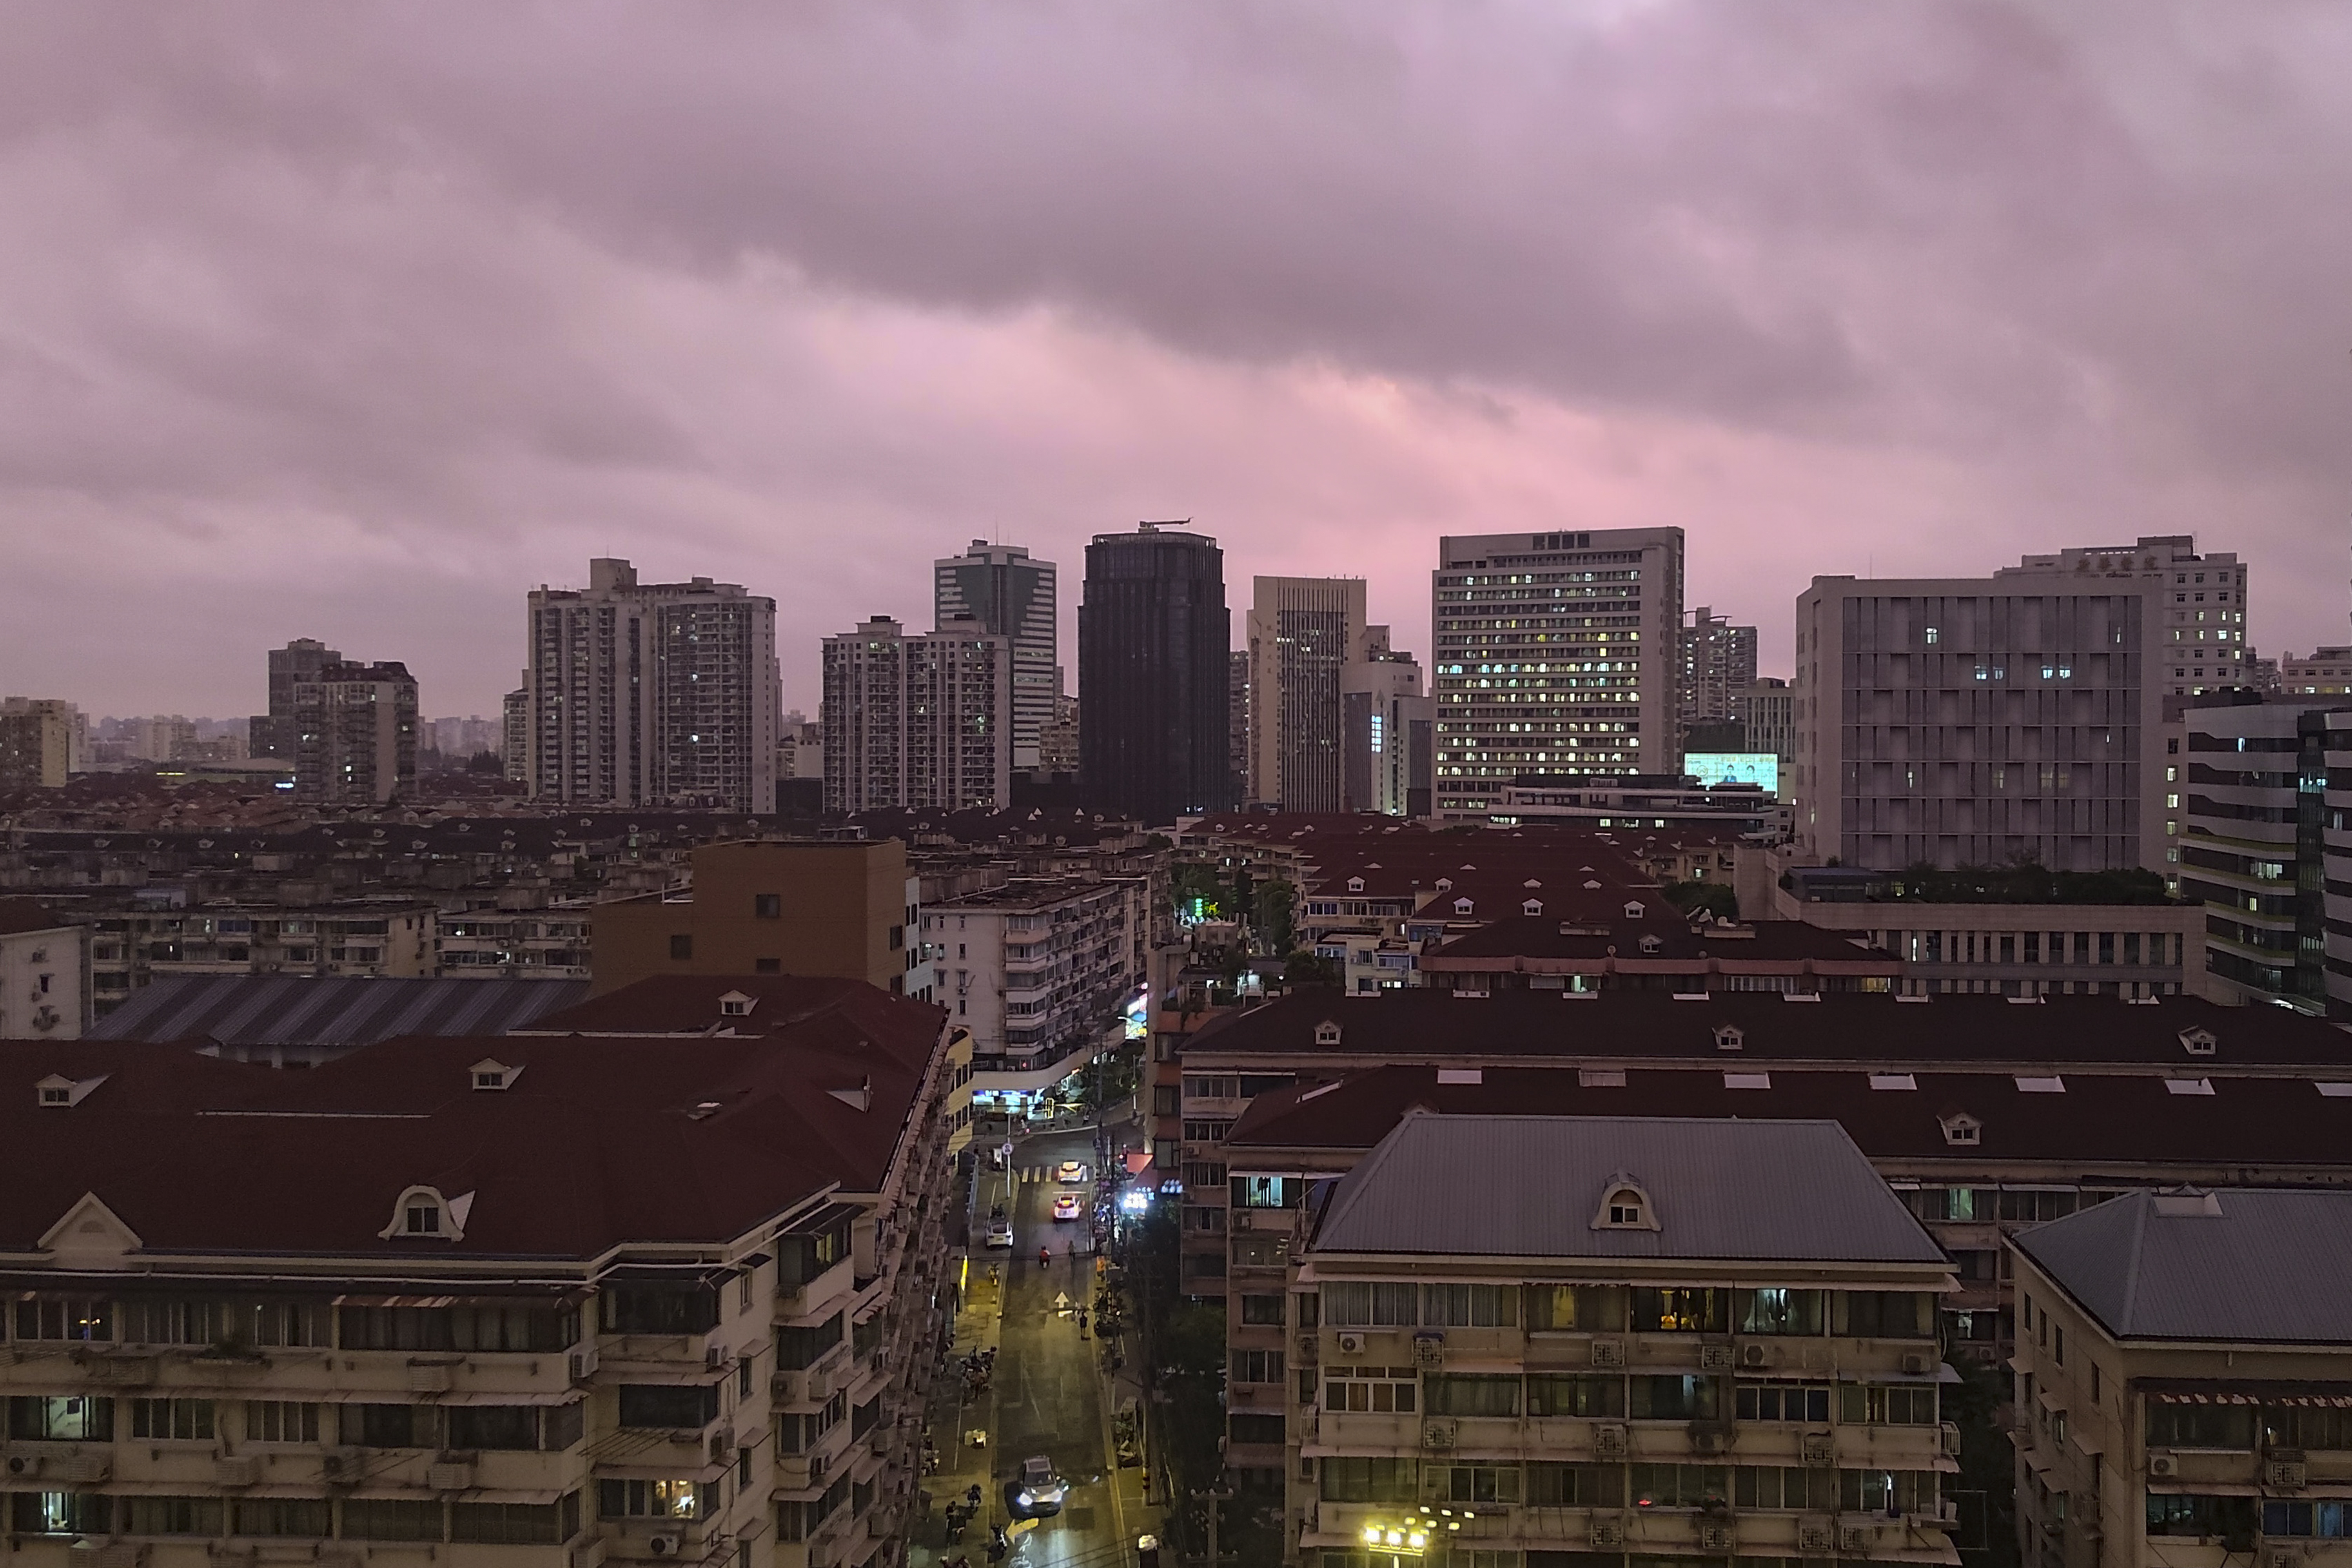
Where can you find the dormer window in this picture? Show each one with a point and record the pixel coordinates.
(735, 1005)
(1727, 1038)
(491, 1076)
(1355, 884)
(1633, 911)
(1625, 1206)
(1446, 884)
(1464, 905)
(1327, 1033)
(62, 1093)
(1532, 907)
(1653, 945)
(2198, 1042)
(1961, 1130)
(421, 1214)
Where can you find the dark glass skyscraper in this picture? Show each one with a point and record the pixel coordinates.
(1153, 637)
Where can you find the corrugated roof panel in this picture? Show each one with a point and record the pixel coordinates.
(329, 1010)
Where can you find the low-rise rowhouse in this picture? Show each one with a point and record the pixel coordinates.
(2184, 1382)
(1649, 1339)
(1531, 952)
(143, 942)
(592, 1298)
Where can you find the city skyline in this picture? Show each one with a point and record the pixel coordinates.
(291, 370)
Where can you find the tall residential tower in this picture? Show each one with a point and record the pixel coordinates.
(1153, 639)
(919, 719)
(1557, 654)
(1303, 631)
(1012, 596)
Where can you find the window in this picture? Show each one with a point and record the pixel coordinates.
(281, 1421)
(1575, 1394)
(681, 947)
(481, 1328)
(1576, 1486)
(804, 1347)
(65, 1318)
(497, 1426)
(1377, 1390)
(664, 1310)
(2200, 1425)
(674, 1407)
(2302, 1427)
(1470, 1394)
(1369, 1304)
(1247, 1427)
(1782, 1401)
(1626, 1207)
(1780, 1312)
(58, 1513)
(1589, 1309)
(2228, 1519)
(512, 1523)
(767, 906)
(1264, 1310)
(392, 1518)
(654, 1500)
(1256, 1366)
(1679, 1486)
(1671, 1397)
(384, 1426)
(1470, 1306)
(1265, 1192)
(170, 1516)
(1886, 1491)
(171, 1420)
(2327, 1520)
(1472, 1483)
(1773, 1485)
(312, 1517)
(61, 1418)
(1883, 1404)
(1350, 1479)
(1886, 1314)
(1684, 1311)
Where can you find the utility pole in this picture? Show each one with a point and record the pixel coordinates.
(1216, 1498)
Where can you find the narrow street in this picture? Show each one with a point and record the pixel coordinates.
(1049, 1391)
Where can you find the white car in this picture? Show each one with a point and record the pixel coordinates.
(1070, 1171)
(1000, 1233)
(1068, 1205)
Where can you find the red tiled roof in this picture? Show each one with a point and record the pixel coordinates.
(597, 1144)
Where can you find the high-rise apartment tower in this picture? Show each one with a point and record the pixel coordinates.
(1718, 664)
(1153, 640)
(1013, 596)
(273, 734)
(918, 719)
(1557, 654)
(354, 734)
(1303, 631)
(655, 693)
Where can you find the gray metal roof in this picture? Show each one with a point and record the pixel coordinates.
(2263, 1265)
(1530, 1186)
(336, 1011)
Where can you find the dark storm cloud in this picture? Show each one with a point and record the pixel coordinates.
(1922, 286)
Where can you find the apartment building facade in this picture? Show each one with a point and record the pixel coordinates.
(43, 741)
(921, 719)
(2266, 849)
(2326, 672)
(44, 973)
(1011, 594)
(1765, 711)
(354, 734)
(439, 1354)
(1555, 653)
(1972, 721)
(1041, 970)
(1387, 727)
(1302, 634)
(132, 946)
(2163, 1421)
(1518, 1336)
(651, 693)
(1717, 666)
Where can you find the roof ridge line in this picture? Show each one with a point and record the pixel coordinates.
(2131, 1262)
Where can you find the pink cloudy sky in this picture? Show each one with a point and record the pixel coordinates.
(355, 322)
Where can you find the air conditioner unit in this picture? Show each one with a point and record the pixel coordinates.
(722, 1445)
(1917, 1364)
(1351, 1345)
(83, 1470)
(1609, 1441)
(1609, 1534)
(1715, 1358)
(2282, 1557)
(1607, 1353)
(1310, 1349)
(1715, 1538)
(1709, 1438)
(665, 1544)
(449, 1476)
(1240, 1219)
(1816, 1537)
(236, 1469)
(1753, 1356)
(23, 1466)
(1437, 1434)
(2163, 1466)
(779, 1385)
(121, 1555)
(1818, 1448)
(2285, 1475)
(580, 1365)
(1855, 1540)
(1951, 1435)
(713, 1357)
(429, 1377)
(1429, 1350)
(336, 1465)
